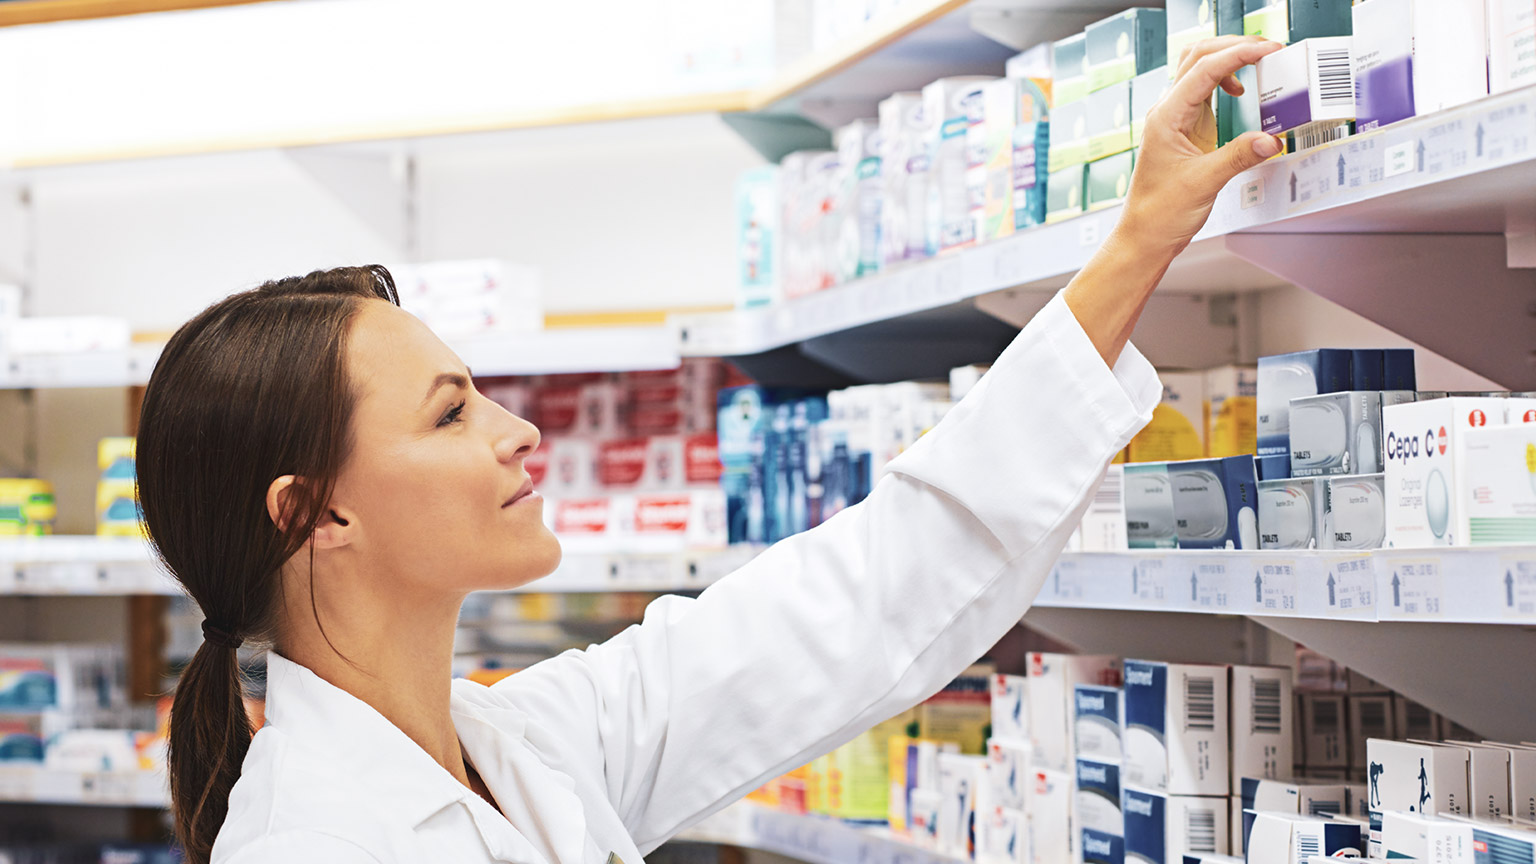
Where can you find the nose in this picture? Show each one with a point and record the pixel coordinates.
(515, 437)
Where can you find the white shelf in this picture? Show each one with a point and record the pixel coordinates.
(28, 784)
(816, 839)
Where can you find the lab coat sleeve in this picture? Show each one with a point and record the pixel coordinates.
(836, 629)
(302, 847)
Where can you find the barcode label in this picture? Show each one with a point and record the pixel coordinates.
(1317, 134)
(1200, 830)
(1320, 806)
(1199, 703)
(1109, 491)
(1308, 844)
(1335, 84)
(1325, 716)
(1266, 706)
(1373, 718)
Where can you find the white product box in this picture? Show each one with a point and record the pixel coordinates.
(1301, 797)
(1096, 815)
(948, 104)
(1522, 778)
(1002, 837)
(1176, 737)
(1355, 516)
(1150, 522)
(861, 196)
(1370, 716)
(1281, 838)
(1450, 53)
(989, 178)
(1488, 777)
(1292, 513)
(1511, 44)
(1051, 679)
(904, 175)
(1010, 708)
(1503, 844)
(961, 779)
(1424, 444)
(1414, 778)
(923, 818)
(1412, 720)
(1162, 829)
(1096, 718)
(1383, 57)
(1336, 433)
(1051, 836)
(1324, 736)
(1103, 527)
(1263, 714)
(1008, 773)
(1497, 485)
(1308, 82)
(1520, 409)
(1426, 838)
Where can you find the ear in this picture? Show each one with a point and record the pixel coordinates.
(336, 524)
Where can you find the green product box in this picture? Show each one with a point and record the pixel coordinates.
(1031, 164)
(1238, 114)
(1108, 180)
(1109, 120)
(1125, 45)
(1146, 89)
(1064, 193)
(1069, 70)
(1069, 135)
(1286, 21)
(1189, 21)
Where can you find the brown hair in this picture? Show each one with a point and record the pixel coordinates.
(253, 388)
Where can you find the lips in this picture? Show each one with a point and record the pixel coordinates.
(523, 492)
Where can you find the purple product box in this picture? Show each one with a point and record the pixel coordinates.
(1383, 58)
(1309, 82)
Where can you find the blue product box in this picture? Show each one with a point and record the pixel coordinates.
(1102, 848)
(1146, 826)
(1398, 369)
(1096, 722)
(1366, 369)
(1273, 467)
(1031, 166)
(1099, 819)
(742, 418)
(1215, 503)
(1284, 377)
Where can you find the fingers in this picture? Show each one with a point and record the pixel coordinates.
(1210, 69)
(1196, 50)
(1233, 86)
(1238, 155)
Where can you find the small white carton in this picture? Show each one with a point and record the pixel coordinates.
(1282, 838)
(1426, 838)
(1008, 774)
(1522, 778)
(1263, 713)
(1002, 837)
(1450, 54)
(1496, 488)
(1051, 679)
(1414, 778)
(960, 782)
(1511, 44)
(1176, 737)
(1424, 451)
(1051, 833)
(1010, 712)
(1324, 736)
(1299, 797)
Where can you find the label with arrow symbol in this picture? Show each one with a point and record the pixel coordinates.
(1208, 585)
(1351, 585)
(1152, 583)
(1519, 586)
(1276, 586)
(1417, 588)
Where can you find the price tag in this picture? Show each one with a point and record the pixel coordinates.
(1149, 582)
(1311, 179)
(1445, 148)
(106, 788)
(1518, 585)
(1274, 586)
(1360, 162)
(1414, 588)
(648, 571)
(1503, 134)
(1399, 159)
(1252, 193)
(1351, 584)
(1208, 586)
(1067, 581)
(18, 783)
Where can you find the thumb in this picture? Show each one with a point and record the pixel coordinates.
(1240, 154)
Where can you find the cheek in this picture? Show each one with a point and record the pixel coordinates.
(407, 496)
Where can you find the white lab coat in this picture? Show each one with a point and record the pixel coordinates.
(614, 749)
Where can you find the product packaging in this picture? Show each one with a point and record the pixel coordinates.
(1146, 90)
(1383, 58)
(1096, 710)
(859, 251)
(1292, 513)
(948, 106)
(1370, 716)
(1052, 679)
(1356, 515)
(1263, 719)
(1522, 778)
(1304, 798)
(1414, 778)
(1150, 522)
(1177, 430)
(1496, 488)
(1109, 120)
(904, 176)
(1032, 70)
(1176, 736)
(1125, 45)
(960, 781)
(1068, 136)
(1511, 44)
(1031, 173)
(117, 503)
(1503, 844)
(1189, 21)
(1109, 179)
(757, 237)
(1002, 836)
(1008, 773)
(1096, 811)
(1010, 704)
(1231, 411)
(1052, 835)
(1425, 838)
(1236, 115)
(961, 712)
(1069, 70)
(1064, 192)
(1287, 22)
(1336, 433)
(1282, 838)
(1487, 781)
(1308, 89)
(1425, 449)
(991, 169)
(1284, 377)
(1103, 528)
(1215, 503)
(1163, 829)
(28, 507)
(1324, 735)
(1450, 53)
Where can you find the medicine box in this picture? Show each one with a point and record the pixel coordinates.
(1262, 719)
(1109, 179)
(960, 780)
(1497, 485)
(1291, 22)
(1176, 738)
(1031, 173)
(1324, 735)
(1096, 812)
(1189, 21)
(1068, 135)
(1096, 729)
(1299, 797)
(1511, 44)
(1308, 82)
(1291, 513)
(1450, 53)
(1503, 844)
(757, 236)
(1109, 120)
(1520, 409)
(1282, 838)
(1008, 773)
(1146, 90)
(1052, 679)
(1425, 838)
(904, 172)
(1356, 515)
(1064, 193)
(1125, 45)
(1069, 70)
(1002, 836)
(1283, 377)
(1010, 702)
(1383, 58)
(949, 104)
(1414, 778)
(1215, 503)
(1050, 817)
(1231, 410)
(991, 167)
(858, 247)
(1150, 522)
(1370, 716)
(1522, 778)
(1177, 430)
(1488, 782)
(1236, 115)
(1424, 449)
(1162, 829)
(1336, 433)
(1032, 70)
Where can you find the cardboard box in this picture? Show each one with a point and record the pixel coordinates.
(1287, 22)
(1125, 45)
(1150, 522)
(1522, 778)
(1424, 449)
(1103, 526)
(1500, 844)
(1069, 70)
(1511, 44)
(1336, 433)
(1263, 716)
(947, 111)
(1488, 783)
(1109, 180)
(1163, 829)
(1426, 838)
(1031, 173)
(1496, 485)
(961, 778)
(1009, 766)
(1176, 737)
(1355, 516)
(1109, 120)
(1284, 377)
(1231, 411)
(1215, 503)
(1325, 741)
(1189, 21)
(1414, 778)
(991, 167)
(1032, 70)
(1052, 678)
(1299, 797)
(1064, 193)
(1096, 712)
(1450, 53)
(904, 177)
(1280, 838)
(1096, 812)
(1292, 513)
(1147, 90)
(1068, 137)
(1002, 836)
(1010, 701)
(961, 712)
(1052, 837)
(1383, 58)
(1306, 87)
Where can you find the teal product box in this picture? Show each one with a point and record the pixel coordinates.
(1068, 135)
(1109, 179)
(1069, 69)
(1215, 503)
(1150, 522)
(1236, 115)
(1146, 89)
(1283, 377)
(1125, 45)
(1031, 170)
(1064, 193)
(757, 237)
(1189, 21)
(1288, 22)
(1109, 120)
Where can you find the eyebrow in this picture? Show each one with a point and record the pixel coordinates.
(458, 380)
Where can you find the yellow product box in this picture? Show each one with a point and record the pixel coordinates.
(27, 507)
(863, 775)
(114, 458)
(896, 773)
(961, 713)
(117, 509)
(1231, 411)
(1177, 430)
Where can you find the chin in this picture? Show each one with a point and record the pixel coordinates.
(534, 560)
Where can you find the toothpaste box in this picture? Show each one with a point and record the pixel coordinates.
(1064, 192)
(1284, 377)
(1424, 450)
(1031, 172)
(961, 779)
(1068, 136)
(1283, 838)
(1291, 513)
(1263, 715)
(1150, 522)
(1096, 812)
(904, 173)
(1301, 798)
(1010, 714)
(1450, 53)
(1176, 737)
(1009, 765)
(1355, 516)
(1413, 778)
(949, 104)
(1324, 736)
(1051, 834)
(1383, 57)
(1189, 21)
(1109, 179)
(1511, 44)
(1425, 838)
(1163, 829)
(1146, 90)
(1052, 682)
(1336, 433)
(1125, 45)
(1109, 120)
(1096, 710)
(1370, 716)
(1291, 22)
(1308, 82)
(1496, 487)
(1069, 70)
(1215, 503)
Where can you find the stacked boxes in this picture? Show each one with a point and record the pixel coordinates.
(950, 107)
(117, 501)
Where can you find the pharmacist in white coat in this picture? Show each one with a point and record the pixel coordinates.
(318, 471)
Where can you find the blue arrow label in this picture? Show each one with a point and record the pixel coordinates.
(1341, 169)
(1421, 155)
(1135, 587)
(1293, 185)
(1258, 587)
(1479, 139)
(1194, 587)
(1397, 597)
(1330, 589)
(1509, 589)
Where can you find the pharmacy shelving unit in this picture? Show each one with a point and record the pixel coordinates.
(30, 784)
(817, 839)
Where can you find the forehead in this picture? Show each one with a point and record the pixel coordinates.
(392, 358)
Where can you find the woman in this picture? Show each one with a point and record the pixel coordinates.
(318, 471)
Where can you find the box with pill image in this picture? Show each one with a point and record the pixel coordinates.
(1150, 522)
(1336, 433)
(1291, 512)
(1355, 515)
(1215, 503)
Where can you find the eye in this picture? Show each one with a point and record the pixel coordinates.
(454, 415)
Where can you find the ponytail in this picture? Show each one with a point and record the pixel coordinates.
(209, 736)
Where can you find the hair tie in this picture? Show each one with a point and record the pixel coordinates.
(220, 636)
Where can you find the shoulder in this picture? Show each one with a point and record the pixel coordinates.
(299, 846)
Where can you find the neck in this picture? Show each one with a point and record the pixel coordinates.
(402, 660)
